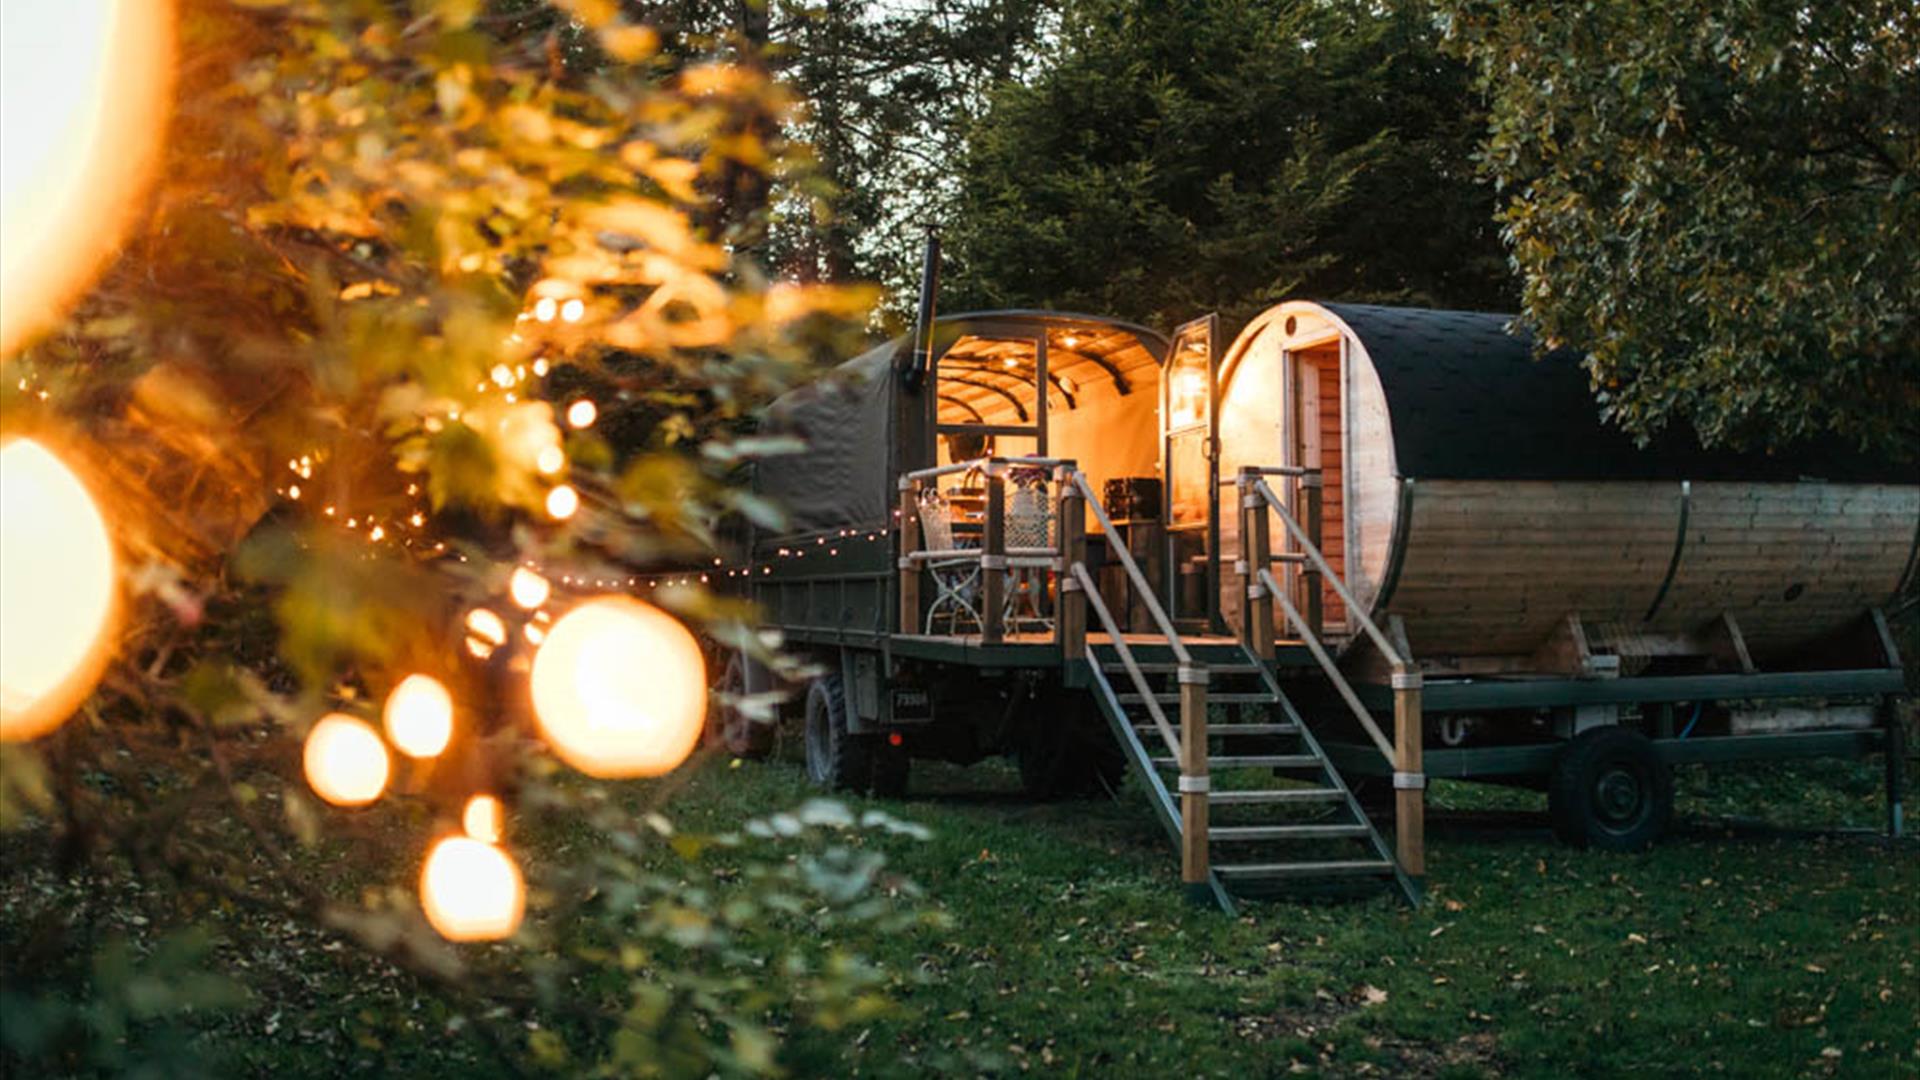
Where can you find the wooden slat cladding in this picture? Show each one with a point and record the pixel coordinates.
(1491, 568)
(1792, 562)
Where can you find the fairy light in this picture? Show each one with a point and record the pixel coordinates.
(57, 591)
(620, 689)
(471, 891)
(540, 366)
(562, 501)
(546, 308)
(529, 589)
(419, 716)
(572, 311)
(345, 761)
(502, 375)
(484, 819)
(551, 460)
(293, 492)
(377, 534)
(83, 96)
(486, 632)
(582, 413)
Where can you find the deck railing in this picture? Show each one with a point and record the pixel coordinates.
(994, 556)
(1403, 753)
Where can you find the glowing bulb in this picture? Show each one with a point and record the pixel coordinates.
(83, 94)
(293, 492)
(502, 375)
(528, 588)
(546, 308)
(345, 760)
(551, 460)
(540, 366)
(562, 502)
(582, 413)
(487, 626)
(620, 689)
(471, 891)
(483, 819)
(419, 716)
(572, 311)
(534, 634)
(379, 533)
(56, 591)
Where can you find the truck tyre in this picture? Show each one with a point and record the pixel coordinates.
(741, 736)
(836, 758)
(1610, 790)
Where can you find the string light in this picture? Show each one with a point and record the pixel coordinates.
(471, 891)
(419, 716)
(486, 632)
(551, 460)
(546, 308)
(582, 413)
(483, 819)
(572, 311)
(562, 501)
(540, 366)
(620, 689)
(529, 589)
(345, 761)
(57, 591)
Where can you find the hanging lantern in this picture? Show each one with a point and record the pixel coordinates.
(83, 97)
(620, 689)
(471, 891)
(419, 716)
(57, 591)
(345, 760)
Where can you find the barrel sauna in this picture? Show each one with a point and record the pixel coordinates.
(1473, 492)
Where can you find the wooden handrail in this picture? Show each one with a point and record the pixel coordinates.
(1118, 545)
(1332, 669)
(1080, 574)
(1312, 551)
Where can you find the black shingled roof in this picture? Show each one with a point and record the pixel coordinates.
(1468, 400)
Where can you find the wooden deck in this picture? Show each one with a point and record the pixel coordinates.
(1040, 650)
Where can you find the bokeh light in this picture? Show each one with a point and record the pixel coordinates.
(529, 589)
(419, 716)
(471, 891)
(57, 591)
(620, 689)
(484, 819)
(562, 502)
(550, 460)
(345, 760)
(83, 97)
(582, 413)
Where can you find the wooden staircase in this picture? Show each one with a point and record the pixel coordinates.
(1277, 815)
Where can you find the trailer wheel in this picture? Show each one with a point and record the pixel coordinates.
(742, 736)
(1610, 790)
(836, 758)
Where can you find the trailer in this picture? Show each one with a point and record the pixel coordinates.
(1287, 580)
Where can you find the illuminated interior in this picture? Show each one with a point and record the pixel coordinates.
(1100, 407)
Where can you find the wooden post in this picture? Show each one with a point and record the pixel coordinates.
(909, 570)
(1194, 782)
(1896, 766)
(1258, 545)
(1409, 776)
(1312, 602)
(1070, 614)
(993, 556)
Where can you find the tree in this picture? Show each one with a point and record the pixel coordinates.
(1717, 202)
(314, 397)
(1176, 157)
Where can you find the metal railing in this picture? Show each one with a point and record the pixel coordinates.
(1404, 752)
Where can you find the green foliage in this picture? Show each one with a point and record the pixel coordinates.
(1173, 158)
(1719, 202)
(316, 398)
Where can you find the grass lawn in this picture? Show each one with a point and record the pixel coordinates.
(1738, 951)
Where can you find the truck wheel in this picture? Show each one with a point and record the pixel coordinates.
(1610, 790)
(742, 736)
(836, 758)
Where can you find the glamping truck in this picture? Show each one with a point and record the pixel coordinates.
(1289, 578)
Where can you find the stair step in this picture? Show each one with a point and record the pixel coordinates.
(1238, 833)
(1234, 729)
(1147, 668)
(1171, 697)
(1338, 868)
(1277, 795)
(1250, 761)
